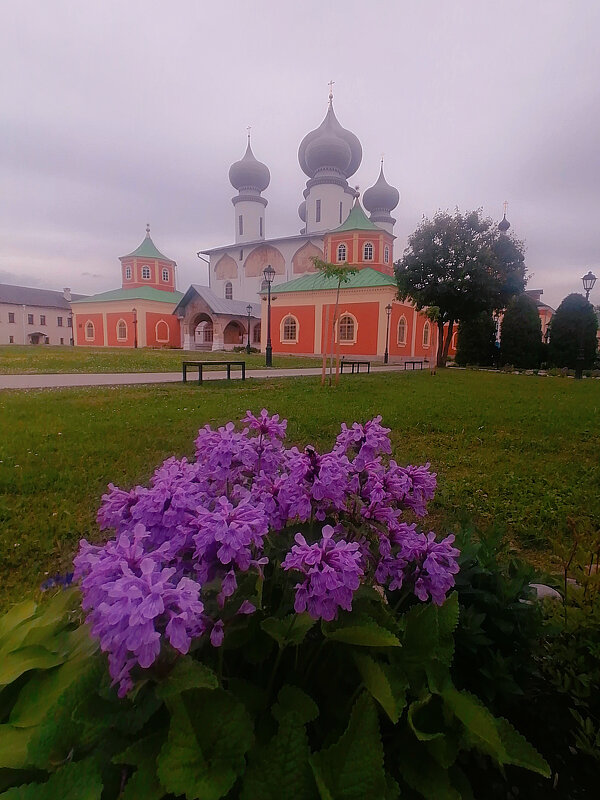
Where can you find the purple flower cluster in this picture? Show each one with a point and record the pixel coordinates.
(173, 572)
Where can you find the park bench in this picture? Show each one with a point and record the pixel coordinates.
(354, 364)
(199, 364)
(414, 363)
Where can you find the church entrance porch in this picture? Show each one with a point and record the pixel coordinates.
(233, 335)
(37, 338)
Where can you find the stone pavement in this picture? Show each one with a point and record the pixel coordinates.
(61, 380)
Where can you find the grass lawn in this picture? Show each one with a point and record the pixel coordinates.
(27, 359)
(515, 451)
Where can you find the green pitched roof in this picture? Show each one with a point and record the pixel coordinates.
(357, 220)
(316, 281)
(148, 249)
(142, 293)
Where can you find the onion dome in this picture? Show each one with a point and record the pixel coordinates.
(302, 211)
(330, 146)
(249, 173)
(381, 196)
(504, 224)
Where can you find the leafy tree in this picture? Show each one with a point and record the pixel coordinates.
(575, 323)
(476, 341)
(341, 274)
(521, 333)
(462, 264)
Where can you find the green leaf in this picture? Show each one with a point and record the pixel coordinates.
(75, 781)
(281, 770)
(422, 719)
(209, 735)
(289, 630)
(519, 751)
(42, 626)
(352, 768)
(387, 686)
(362, 631)
(16, 663)
(425, 776)
(17, 614)
(187, 674)
(479, 723)
(144, 783)
(13, 747)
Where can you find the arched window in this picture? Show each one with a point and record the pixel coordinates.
(228, 291)
(368, 251)
(402, 328)
(127, 273)
(256, 334)
(204, 332)
(165, 275)
(426, 334)
(341, 252)
(146, 273)
(289, 329)
(454, 338)
(122, 330)
(89, 331)
(386, 255)
(347, 328)
(162, 331)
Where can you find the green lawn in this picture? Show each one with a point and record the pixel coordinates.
(516, 451)
(21, 359)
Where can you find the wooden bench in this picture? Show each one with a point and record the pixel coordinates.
(413, 364)
(356, 364)
(200, 364)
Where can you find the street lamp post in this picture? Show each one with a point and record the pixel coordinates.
(269, 274)
(134, 310)
(249, 310)
(588, 284)
(388, 311)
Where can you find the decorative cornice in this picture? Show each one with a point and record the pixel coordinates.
(239, 198)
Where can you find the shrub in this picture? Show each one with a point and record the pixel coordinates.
(521, 334)
(574, 324)
(476, 341)
(278, 628)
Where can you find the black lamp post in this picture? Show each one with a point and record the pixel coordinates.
(249, 310)
(388, 311)
(269, 274)
(134, 310)
(588, 284)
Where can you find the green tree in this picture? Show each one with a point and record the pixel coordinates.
(575, 323)
(462, 264)
(476, 341)
(521, 334)
(341, 274)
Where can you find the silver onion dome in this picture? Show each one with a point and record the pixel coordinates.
(381, 196)
(302, 211)
(324, 147)
(248, 173)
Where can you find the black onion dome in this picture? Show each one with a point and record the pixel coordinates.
(249, 173)
(504, 224)
(381, 196)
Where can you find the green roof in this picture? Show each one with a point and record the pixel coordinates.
(148, 249)
(316, 281)
(357, 220)
(141, 293)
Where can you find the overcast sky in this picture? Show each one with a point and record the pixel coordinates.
(116, 113)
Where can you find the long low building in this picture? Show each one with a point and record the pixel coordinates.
(36, 316)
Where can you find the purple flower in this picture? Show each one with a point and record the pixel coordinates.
(332, 573)
(231, 533)
(217, 634)
(266, 425)
(367, 441)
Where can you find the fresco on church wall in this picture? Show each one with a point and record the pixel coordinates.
(302, 260)
(260, 257)
(226, 268)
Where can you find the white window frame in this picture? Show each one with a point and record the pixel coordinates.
(228, 289)
(372, 251)
(404, 322)
(338, 325)
(119, 337)
(165, 275)
(86, 327)
(145, 269)
(342, 260)
(282, 336)
(386, 254)
(127, 273)
(161, 322)
(427, 339)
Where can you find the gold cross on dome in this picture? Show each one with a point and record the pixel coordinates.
(330, 84)
(505, 206)
(248, 129)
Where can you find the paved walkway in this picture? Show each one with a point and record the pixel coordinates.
(61, 380)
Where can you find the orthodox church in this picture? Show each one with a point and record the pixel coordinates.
(337, 228)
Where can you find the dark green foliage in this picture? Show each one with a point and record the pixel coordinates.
(462, 265)
(476, 341)
(574, 324)
(521, 334)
